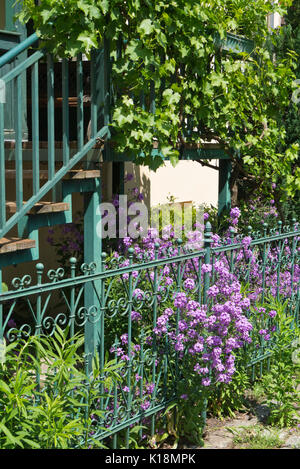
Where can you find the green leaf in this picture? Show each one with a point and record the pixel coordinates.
(10, 438)
(146, 27)
(4, 387)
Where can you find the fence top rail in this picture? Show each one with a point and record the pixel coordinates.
(256, 241)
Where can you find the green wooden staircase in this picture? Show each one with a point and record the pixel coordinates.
(52, 175)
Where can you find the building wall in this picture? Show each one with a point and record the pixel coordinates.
(274, 21)
(188, 181)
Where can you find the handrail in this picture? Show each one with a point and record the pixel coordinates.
(12, 53)
(18, 79)
(104, 132)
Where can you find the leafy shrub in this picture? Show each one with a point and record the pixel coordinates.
(225, 400)
(47, 401)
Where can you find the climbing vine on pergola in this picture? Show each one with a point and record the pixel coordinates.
(176, 83)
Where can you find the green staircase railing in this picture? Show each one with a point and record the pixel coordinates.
(15, 77)
(24, 69)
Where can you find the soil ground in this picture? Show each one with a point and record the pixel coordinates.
(246, 430)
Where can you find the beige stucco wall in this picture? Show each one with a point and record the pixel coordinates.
(274, 20)
(188, 181)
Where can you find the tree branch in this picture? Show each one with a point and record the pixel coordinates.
(207, 165)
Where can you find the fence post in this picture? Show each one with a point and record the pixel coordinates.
(207, 259)
(206, 281)
(224, 198)
(92, 254)
(1, 312)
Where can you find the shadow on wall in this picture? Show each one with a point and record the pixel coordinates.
(140, 181)
(188, 181)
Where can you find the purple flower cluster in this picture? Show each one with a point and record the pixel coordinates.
(209, 335)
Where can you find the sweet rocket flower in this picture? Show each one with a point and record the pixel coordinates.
(127, 241)
(235, 212)
(198, 347)
(223, 378)
(243, 325)
(128, 177)
(217, 352)
(150, 388)
(136, 316)
(205, 338)
(182, 325)
(231, 344)
(125, 357)
(213, 291)
(219, 367)
(192, 305)
(180, 300)
(206, 268)
(206, 382)
(124, 339)
(145, 405)
(189, 284)
(168, 281)
(246, 241)
(11, 323)
(138, 294)
(225, 318)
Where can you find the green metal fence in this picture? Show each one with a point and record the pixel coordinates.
(130, 288)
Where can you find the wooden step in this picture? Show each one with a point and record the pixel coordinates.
(40, 207)
(15, 244)
(73, 174)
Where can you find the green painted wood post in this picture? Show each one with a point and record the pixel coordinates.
(2, 170)
(224, 198)
(129, 346)
(16, 27)
(50, 121)
(207, 260)
(206, 283)
(154, 344)
(9, 15)
(38, 323)
(1, 309)
(73, 262)
(92, 253)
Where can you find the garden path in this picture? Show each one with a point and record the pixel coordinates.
(220, 434)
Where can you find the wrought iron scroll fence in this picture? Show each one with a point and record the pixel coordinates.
(132, 294)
